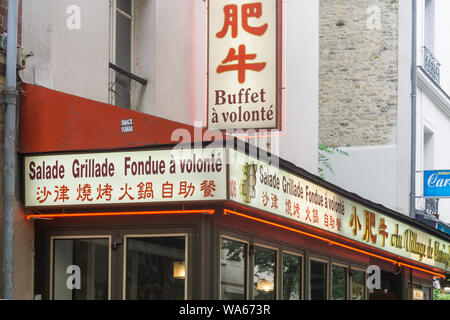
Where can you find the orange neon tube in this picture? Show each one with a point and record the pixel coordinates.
(309, 227)
(130, 213)
(226, 211)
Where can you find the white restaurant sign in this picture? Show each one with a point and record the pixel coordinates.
(262, 186)
(244, 64)
(163, 176)
(125, 177)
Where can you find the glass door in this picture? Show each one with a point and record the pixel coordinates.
(155, 267)
(80, 268)
(119, 265)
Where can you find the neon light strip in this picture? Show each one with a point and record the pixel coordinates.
(306, 226)
(131, 213)
(226, 211)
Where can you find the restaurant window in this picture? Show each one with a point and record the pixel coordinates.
(233, 269)
(122, 34)
(156, 267)
(358, 285)
(292, 277)
(338, 282)
(264, 274)
(318, 280)
(80, 269)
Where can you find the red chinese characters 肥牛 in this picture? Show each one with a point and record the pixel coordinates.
(231, 21)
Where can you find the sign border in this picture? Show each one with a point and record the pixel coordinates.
(424, 182)
(279, 73)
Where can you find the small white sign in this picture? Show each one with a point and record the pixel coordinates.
(127, 125)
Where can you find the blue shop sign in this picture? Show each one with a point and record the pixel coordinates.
(436, 184)
(443, 228)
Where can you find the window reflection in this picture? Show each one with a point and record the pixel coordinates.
(264, 274)
(318, 280)
(233, 270)
(91, 260)
(339, 282)
(358, 285)
(292, 277)
(155, 268)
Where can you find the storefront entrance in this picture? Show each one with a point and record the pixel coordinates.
(131, 266)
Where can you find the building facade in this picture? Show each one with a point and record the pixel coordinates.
(124, 195)
(369, 46)
(150, 57)
(433, 102)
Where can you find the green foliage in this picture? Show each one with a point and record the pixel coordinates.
(235, 250)
(440, 295)
(291, 277)
(324, 161)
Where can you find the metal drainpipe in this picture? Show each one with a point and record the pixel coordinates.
(9, 177)
(412, 206)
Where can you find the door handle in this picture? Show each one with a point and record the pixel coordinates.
(116, 243)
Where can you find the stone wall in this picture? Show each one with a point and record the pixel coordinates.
(358, 72)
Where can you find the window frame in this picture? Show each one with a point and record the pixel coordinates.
(261, 244)
(422, 284)
(114, 10)
(156, 235)
(327, 274)
(365, 292)
(79, 237)
(347, 279)
(247, 264)
(297, 254)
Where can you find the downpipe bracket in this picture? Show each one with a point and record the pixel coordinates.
(10, 95)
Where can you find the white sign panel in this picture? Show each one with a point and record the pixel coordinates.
(262, 186)
(244, 45)
(125, 177)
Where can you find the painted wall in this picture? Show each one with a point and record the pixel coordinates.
(432, 122)
(300, 143)
(69, 60)
(433, 154)
(370, 173)
(443, 42)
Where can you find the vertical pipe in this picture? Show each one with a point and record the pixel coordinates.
(412, 206)
(9, 177)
